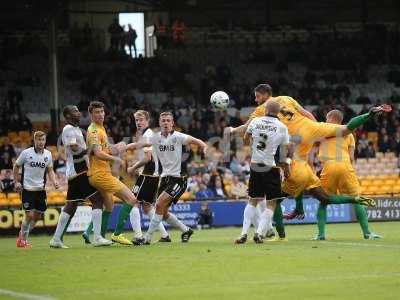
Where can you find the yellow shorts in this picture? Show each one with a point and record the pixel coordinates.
(105, 183)
(339, 178)
(301, 178)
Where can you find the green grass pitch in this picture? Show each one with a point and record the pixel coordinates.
(210, 267)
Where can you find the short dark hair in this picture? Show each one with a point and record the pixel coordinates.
(67, 110)
(263, 88)
(95, 104)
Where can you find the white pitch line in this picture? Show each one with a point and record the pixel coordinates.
(363, 245)
(24, 295)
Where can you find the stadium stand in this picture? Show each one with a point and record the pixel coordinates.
(182, 78)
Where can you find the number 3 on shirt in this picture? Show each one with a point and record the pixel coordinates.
(262, 144)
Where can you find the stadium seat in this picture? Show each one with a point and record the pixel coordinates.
(377, 182)
(366, 182)
(385, 189)
(13, 136)
(370, 190)
(24, 135)
(396, 189)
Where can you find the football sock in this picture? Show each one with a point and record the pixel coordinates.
(278, 219)
(161, 227)
(362, 218)
(104, 222)
(341, 199)
(61, 225)
(89, 230)
(265, 219)
(357, 121)
(135, 222)
(173, 221)
(321, 219)
(66, 227)
(96, 222)
(261, 206)
(248, 215)
(155, 221)
(123, 215)
(25, 229)
(256, 218)
(299, 204)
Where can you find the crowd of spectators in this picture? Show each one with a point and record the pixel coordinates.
(188, 91)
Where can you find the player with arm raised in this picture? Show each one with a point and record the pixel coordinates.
(305, 131)
(35, 162)
(79, 188)
(265, 134)
(338, 176)
(145, 188)
(167, 144)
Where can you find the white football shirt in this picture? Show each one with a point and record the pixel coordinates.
(76, 161)
(169, 152)
(152, 166)
(34, 168)
(268, 133)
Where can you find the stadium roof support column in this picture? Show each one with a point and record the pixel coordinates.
(55, 109)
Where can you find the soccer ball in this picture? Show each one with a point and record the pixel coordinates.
(219, 100)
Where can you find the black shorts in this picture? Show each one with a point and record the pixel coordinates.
(173, 186)
(265, 183)
(145, 188)
(79, 188)
(34, 200)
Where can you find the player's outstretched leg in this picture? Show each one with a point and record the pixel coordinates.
(326, 199)
(117, 235)
(362, 218)
(298, 212)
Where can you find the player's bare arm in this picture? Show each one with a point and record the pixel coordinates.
(247, 138)
(137, 145)
(285, 158)
(140, 163)
(17, 183)
(52, 177)
(199, 143)
(240, 130)
(306, 113)
(100, 154)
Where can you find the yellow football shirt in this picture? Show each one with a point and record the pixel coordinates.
(289, 114)
(336, 149)
(96, 135)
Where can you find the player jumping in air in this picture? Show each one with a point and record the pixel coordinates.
(338, 176)
(305, 131)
